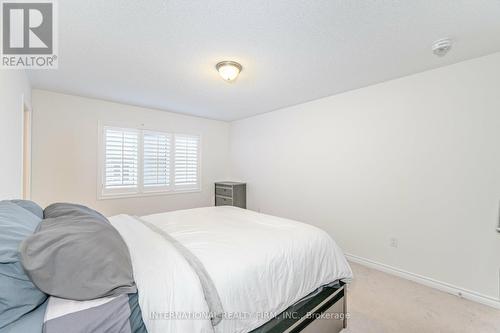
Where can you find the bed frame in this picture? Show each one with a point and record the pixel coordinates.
(323, 313)
(334, 312)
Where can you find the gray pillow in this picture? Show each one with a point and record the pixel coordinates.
(78, 257)
(18, 295)
(68, 209)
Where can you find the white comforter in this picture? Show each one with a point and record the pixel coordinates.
(260, 265)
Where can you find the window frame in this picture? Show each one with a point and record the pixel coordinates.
(140, 190)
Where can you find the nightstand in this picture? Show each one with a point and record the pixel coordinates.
(231, 194)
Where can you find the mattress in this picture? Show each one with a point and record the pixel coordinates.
(122, 314)
(260, 265)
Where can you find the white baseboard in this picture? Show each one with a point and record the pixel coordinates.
(426, 281)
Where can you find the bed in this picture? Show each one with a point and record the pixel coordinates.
(259, 265)
(221, 270)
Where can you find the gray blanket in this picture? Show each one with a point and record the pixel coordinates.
(120, 315)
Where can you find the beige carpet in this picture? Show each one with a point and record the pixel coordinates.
(382, 303)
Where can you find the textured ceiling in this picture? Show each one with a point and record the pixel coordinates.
(161, 54)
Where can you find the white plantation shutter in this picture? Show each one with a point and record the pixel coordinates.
(139, 162)
(186, 163)
(156, 158)
(121, 154)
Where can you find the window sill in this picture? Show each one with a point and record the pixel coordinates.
(102, 196)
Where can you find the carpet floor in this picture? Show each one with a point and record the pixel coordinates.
(383, 303)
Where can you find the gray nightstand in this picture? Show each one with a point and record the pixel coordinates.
(231, 194)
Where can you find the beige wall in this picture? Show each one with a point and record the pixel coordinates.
(416, 159)
(65, 152)
(14, 88)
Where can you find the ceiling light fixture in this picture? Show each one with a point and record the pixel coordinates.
(228, 70)
(441, 47)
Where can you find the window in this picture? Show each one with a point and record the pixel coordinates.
(186, 161)
(141, 162)
(121, 160)
(156, 167)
